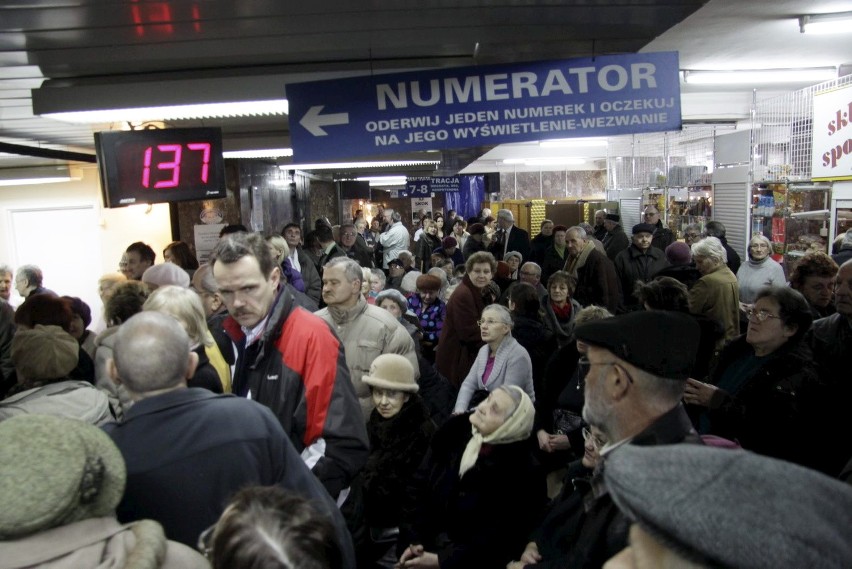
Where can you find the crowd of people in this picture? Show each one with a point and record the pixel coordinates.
(453, 394)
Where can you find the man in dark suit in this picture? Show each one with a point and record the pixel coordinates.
(509, 237)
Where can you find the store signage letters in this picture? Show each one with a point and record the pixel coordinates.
(831, 154)
(482, 105)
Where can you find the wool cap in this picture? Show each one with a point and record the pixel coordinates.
(476, 229)
(428, 282)
(44, 352)
(56, 471)
(166, 274)
(679, 253)
(613, 217)
(660, 342)
(644, 228)
(396, 262)
(449, 241)
(391, 371)
(395, 296)
(733, 508)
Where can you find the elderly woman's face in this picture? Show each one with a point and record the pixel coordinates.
(513, 263)
(388, 402)
(392, 307)
(492, 413)
(771, 333)
(691, 236)
(705, 265)
(592, 445)
(480, 274)
(491, 327)
(376, 285)
(758, 250)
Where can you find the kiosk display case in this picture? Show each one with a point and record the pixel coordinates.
(794, 215)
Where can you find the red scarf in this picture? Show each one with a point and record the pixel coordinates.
(563, 313)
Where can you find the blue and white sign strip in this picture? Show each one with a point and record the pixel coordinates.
(472, 106)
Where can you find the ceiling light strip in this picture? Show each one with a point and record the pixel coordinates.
(356, 165)
(175, 112)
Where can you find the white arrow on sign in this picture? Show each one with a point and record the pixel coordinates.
(313, 121)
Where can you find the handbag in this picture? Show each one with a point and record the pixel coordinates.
(565, 421)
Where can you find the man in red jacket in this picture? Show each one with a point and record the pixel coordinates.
(290, 361)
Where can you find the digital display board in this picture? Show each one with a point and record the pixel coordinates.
(156, 166)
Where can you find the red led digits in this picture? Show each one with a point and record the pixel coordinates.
(204, 147)
(175, 164)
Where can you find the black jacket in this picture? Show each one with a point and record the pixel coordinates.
(482, 519)
(397, 446)
(188, 451)
(767, 414)
(633, 265)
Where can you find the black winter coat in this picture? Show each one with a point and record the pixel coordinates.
(481, 520)
(767, 414)
(397, 446)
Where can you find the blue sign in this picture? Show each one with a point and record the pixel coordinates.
(418, 187)
(482, 105)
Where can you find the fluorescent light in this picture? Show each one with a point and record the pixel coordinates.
(837, 23)
(545, 161)
(260, 153)
(572, 142)
(355, 165)
(27, 176)
(384, 180)
(176, 112)
(34, 181)
(755, 76)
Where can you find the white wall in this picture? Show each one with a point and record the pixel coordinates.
(77, 231)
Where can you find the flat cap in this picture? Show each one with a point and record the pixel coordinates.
(658, 341)
(613, 217)
(396, 262)
(733, 508)
(166, 274)
(644, 228)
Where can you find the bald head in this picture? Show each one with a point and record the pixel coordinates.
(151, 353)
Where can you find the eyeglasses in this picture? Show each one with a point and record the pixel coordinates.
(585, 365)
(650, 213)
(488, 322)
(348, 234)
(597, 442)
(759, 315)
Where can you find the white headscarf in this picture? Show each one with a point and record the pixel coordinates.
(516, 427)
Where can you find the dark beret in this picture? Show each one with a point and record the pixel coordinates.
(396, 262)
(613, 217)
(733, 508)
(658, 341)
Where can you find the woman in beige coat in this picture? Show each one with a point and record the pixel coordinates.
(716, 294)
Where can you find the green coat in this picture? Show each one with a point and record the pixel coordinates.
(717, 296)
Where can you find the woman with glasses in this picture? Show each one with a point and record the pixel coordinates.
(758, 394)
(501, 361)
(552, 540)
(761, 270)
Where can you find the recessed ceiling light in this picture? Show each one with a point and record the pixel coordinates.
(258, 153)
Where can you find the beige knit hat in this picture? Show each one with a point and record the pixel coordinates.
(391, 371)
(56, 471)
(166, 274)
(44, 352)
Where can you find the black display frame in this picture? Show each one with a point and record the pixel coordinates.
(108, 147)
